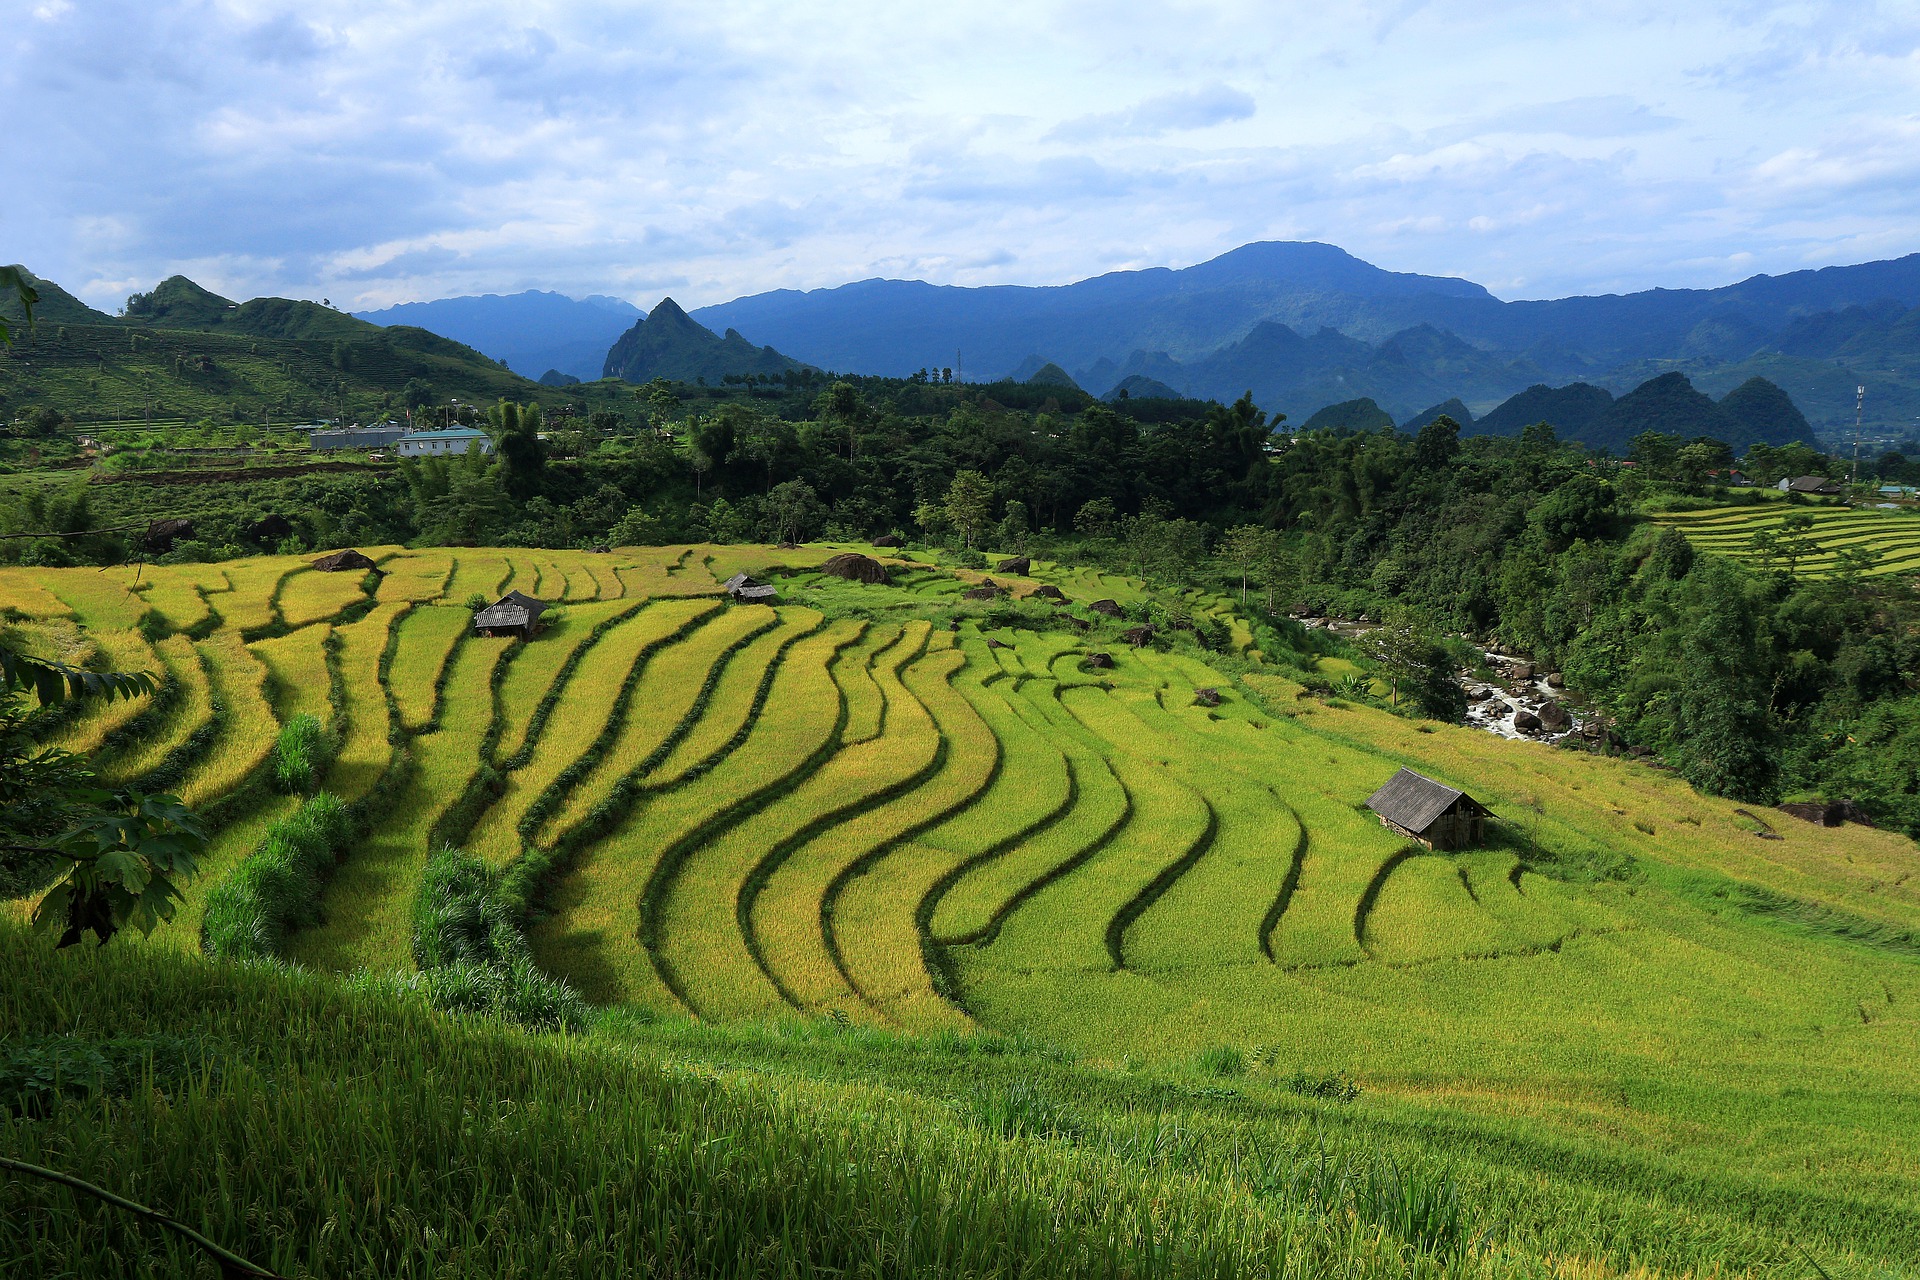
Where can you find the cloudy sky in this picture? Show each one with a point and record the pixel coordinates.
(376, 151)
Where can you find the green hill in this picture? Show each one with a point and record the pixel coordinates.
(670, 344)
(184, 351)
(56, 305)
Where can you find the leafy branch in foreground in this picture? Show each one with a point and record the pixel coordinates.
(12, 278)
(112, 858)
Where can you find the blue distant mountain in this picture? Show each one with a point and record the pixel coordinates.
(530, 332)
(1306, 325)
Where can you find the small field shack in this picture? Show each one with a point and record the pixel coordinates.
(513, 614)
(1430, 812)
(748, 590)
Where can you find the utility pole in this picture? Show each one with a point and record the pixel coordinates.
(1859, 402)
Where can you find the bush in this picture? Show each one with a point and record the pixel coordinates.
(1336, 1086)
(299, 756)
(1221, 1061)
(472, 955)
(35, 1073)
(277, 888)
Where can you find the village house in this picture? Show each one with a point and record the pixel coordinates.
(430, 444)
(1431, 812)
(376, 437)
(1819, 485)
(513, 614)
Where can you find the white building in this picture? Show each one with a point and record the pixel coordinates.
(429, 444)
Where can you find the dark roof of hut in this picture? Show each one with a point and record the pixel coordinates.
(514, 609)
(855, 567)
(754, 591)
(737, 581)
(1412, 801)
(336, 561)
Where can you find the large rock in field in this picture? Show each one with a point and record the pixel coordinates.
(162, 534)
(270, 529)
(1554, 716)
(855, 567)
(1526, 722)
(888, 540)
(1109, 607)
(344, 561)
(1098, 662)
(1017, 564)
(1050, 592)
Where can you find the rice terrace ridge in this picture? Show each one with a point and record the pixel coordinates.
(1234, 641)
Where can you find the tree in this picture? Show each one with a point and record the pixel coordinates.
(106, 860)
(1096, 519)
(1410, 656)
(516, 435)
(1436, 444)
(968, 503)
(1245, 550)
(793, 508)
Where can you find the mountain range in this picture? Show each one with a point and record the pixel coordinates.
(1305, 325)
(531, 332)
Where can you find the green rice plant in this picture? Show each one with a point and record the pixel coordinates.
(1066, 926)
(298, 682)
(419, 576)
(25, 592)
(670, 687)
(99, 722)
(530, 677)
(479, 572)
(366, 749)
(427, 638)
(1333, 1086)
(177, 593)
(587, 937)
(584, 701)
(1221, 1061)
(471, 953)
(187, 710)
(1021, 1108)
(245, 737)
(705, 939)
(277, 888)
(300, 755)
(308, 595)
(853, 673)
(251, 606)
(366, 905)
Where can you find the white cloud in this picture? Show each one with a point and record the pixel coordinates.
(378, 151)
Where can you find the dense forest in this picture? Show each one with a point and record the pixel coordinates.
(1754, 683)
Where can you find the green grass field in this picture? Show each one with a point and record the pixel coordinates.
(1638, 1034)
(1892, 537)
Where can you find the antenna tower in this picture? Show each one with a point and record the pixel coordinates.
(1859, 402)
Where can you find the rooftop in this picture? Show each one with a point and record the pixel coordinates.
(1412, 800)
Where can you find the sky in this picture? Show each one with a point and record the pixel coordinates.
(381, 151)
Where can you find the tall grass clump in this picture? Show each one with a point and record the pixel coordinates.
(300, 755)
(473, 956)
(277, 889)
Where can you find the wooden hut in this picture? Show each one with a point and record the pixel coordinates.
(1431, 812)
(749, 590)
(513, 614)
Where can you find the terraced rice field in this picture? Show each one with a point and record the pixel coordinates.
(752, 812)
(1892, 536)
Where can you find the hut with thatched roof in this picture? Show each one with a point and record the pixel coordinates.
(343, 561)
(515, 614)
(1430, 812)
(855, 567)
(749, 590)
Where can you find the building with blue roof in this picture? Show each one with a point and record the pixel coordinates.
(429, 444)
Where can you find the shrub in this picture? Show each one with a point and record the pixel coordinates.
(34, 1073)
(299, 756)
(1221, 1061)
(277, 888)
(1336, 1086)
(476, 602)
(472, 955)
(1021, 1109)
